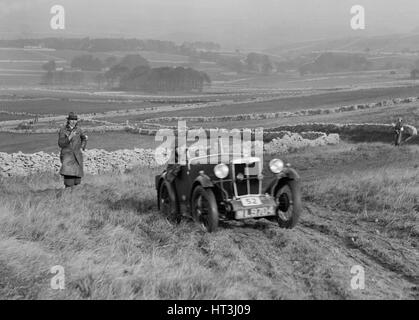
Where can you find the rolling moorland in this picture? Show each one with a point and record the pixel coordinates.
(360, 196)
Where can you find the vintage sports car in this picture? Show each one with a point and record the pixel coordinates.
(237, 190)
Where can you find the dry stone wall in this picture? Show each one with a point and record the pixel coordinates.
(294, 141)
(97, 161)
(276, 115)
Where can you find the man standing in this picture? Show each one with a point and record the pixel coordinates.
(398, 132)
(71, 140)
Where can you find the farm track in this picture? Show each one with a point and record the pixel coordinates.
(313, 261)
(344, 230)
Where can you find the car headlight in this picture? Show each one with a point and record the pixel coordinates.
(276, 165)
(221, 171)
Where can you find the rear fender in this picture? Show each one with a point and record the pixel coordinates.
(159, 179)
(202, 180)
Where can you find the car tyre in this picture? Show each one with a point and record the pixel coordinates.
(167, 202)
(204, 208)
(289, 206)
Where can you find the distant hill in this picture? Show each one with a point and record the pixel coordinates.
(336, 62)
(384, 44)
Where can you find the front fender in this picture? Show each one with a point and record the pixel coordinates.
(202, 180)
(289, 173)
(284, 175)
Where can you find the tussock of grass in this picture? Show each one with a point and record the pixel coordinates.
(389, 195)
(382, 190)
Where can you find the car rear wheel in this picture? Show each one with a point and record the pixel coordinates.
(167, 202)
(204, 208)
(288, 204)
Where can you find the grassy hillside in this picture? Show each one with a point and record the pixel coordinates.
(387, 44)
(113, 244)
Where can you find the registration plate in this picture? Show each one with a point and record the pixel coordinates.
(255, 212)
(251, 201)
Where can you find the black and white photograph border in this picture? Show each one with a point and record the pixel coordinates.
(219, 151)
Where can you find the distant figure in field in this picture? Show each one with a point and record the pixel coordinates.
(398, 131)
(401, 129)
(71, 140)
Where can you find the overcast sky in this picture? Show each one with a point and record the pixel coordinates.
(234, 23)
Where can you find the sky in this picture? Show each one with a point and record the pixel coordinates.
(233, 23)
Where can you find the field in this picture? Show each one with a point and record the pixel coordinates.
(321, 100)
(24, 67)
(332, 80)
(49, 102)
(113, 244)
(387, 115)
(29, 143)
(62, 106)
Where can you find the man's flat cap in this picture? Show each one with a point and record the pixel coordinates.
(72, 116)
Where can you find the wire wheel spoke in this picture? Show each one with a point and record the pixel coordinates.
(202, 211)
(284, 204)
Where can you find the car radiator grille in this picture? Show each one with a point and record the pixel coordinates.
(244, 187)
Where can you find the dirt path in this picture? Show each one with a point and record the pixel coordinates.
(314, 260)
(319, 253)
(390, 265)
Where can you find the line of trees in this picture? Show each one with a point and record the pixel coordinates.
(164, 79)
(132, 72)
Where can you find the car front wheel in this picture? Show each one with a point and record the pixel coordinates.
(204, 208)
(288, 204)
